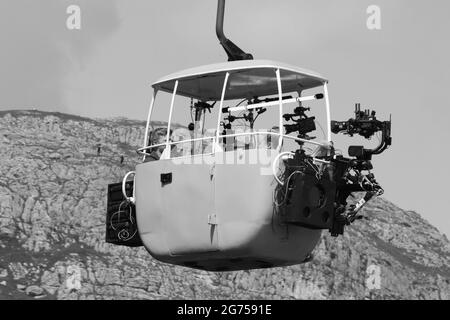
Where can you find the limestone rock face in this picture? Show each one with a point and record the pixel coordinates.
(53, 184)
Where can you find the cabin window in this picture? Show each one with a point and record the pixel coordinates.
(244, 127)
(194, 124)
(157, 131)
(249, 129)
(193, 121)
(294, 85)
(250, 117)
(314, 108)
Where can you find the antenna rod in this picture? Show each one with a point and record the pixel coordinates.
(233, 51)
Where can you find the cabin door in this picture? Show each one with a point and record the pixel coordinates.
(188, 197)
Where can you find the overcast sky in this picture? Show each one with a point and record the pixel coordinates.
(106, 68)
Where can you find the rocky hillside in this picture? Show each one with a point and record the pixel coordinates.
(52, 210)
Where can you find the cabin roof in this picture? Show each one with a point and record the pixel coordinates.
(248, 78)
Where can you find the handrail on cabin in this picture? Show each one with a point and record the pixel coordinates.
(144, 150)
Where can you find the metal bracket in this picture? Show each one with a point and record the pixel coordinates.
(212, 219)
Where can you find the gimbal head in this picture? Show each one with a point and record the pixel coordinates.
(366, 125)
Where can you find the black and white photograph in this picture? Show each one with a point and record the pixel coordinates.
(251, 151)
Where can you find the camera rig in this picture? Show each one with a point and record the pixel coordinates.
(366, 125)
(329, 179)
(303, 123)
(354, 174)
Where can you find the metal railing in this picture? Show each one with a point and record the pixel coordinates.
(144, 150)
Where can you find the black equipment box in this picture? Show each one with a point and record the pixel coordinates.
(310, 203)
(121, 226)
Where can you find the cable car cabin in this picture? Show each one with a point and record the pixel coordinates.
(241, 177)
(245, 174)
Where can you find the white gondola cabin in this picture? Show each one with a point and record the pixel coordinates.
(245, 174)
(216, 211)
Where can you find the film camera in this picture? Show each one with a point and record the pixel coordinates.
(303, 124)
(366, 125)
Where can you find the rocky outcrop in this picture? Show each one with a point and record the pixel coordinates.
(52, 209)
